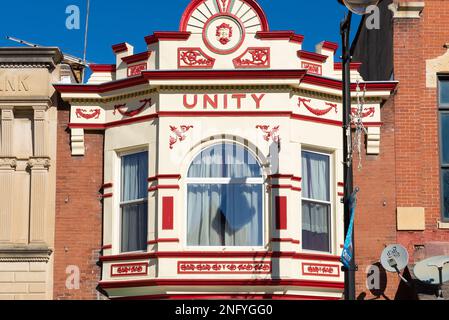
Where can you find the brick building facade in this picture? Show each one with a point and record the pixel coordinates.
(402, 189)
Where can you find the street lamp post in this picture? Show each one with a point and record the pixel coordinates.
(358, 7)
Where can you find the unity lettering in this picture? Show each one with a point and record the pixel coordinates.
(222, 101)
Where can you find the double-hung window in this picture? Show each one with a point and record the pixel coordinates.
(316, 202)
(134, 202)
(443, 107)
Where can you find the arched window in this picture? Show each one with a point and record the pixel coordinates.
(225, 198)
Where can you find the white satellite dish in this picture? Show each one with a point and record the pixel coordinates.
(394, 258)
(433, 270)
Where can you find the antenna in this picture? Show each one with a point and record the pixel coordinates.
(23, 42)
(86, 34)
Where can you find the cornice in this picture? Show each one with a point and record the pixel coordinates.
(25, 57)
(13, 254)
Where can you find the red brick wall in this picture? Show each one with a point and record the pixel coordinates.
(78, 226)
(406, 173)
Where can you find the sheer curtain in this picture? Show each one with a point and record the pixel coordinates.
(316, 202)
(223, 208)
(134, 205)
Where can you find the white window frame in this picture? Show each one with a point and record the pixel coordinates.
(249, 181)
(119, 204)
(332, 229)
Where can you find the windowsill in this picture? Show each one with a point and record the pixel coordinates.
(443, 225)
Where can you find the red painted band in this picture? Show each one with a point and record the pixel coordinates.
(107, 247)
(167, 213)
(286, 240)
(121, 47)
(227, 282)
(167, 36)
(220, 254)
(218, 296)
(103, 67)
(281, 213)
(108, 185)
(155, 188)
(312, 56)
(174, 240)
(107, 195)
(137, 57)
(164, 176)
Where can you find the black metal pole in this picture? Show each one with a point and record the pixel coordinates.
(345, 29)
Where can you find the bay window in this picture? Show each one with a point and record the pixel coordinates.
(134, 201)
(225, 198)
(316, 201)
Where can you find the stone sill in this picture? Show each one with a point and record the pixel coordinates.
(443, 225)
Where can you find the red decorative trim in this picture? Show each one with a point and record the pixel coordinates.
(224, 282)
(164, 176)
(107, 247)
(367, 112)
(108, 185)
(317, 112)
(167, 36)
(224, 41)
(179, 134)
(355, 66)
(129, 269)
(137, 57)
(280, 35)
(222, 255)
(297, 179)
(341, 194)
(137, 69)
(102, 67)
(107, 195)
(224, 267)
(321, 270)
(253, 58)
(270, 134)
(337, 84)
(317, 120)
(281, 213)
(284, 186)
(286, 240)
(155, 188)
(312, 56)
(170, 240)
(219, 296)
(176, 114)
(132, 113)
(341, 184)
(88, 114)
(167, 213)
(196, 3)
(330, 45)
(117, 48)
(191, 58)
(312, 68)
(112, 124)
(180, 75)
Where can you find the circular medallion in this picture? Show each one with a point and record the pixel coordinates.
(223, 33)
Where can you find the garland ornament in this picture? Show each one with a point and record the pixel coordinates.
(317, 112)
(127, 113)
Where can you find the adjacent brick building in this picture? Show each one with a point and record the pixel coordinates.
(403, 187)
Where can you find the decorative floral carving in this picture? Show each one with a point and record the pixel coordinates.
(194, 58)
(320, 270)
(224, 267)
(179, 134)
(39, 163)
(367, 112)
(253, 58)
(121, 108)
(88, 114)
(270, 134)
(224, 33)
(8, 163)
(317, 112)
(134, 269)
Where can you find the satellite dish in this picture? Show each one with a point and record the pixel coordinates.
(433, 270)
(394, 258)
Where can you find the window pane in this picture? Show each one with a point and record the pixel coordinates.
(135, 176)
(225, 160)
(445, 195)
(444, 127)
(444, 91)
(224, 215)
(315, 226)
(134, 227)
(315, 176)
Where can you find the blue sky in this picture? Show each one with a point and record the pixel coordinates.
(111, 21)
